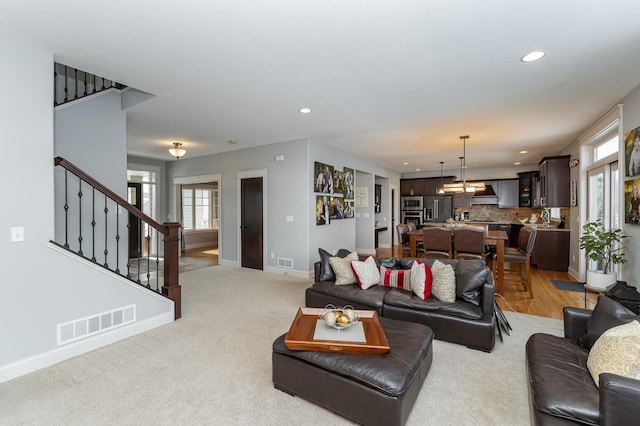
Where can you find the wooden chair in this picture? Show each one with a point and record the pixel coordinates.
(437, 242)
(468, 243)
(419, 246)
(402, 231)
(521, 256)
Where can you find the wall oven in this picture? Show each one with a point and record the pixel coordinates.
(411, 203)
(413, 216)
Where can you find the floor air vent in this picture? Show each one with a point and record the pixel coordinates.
(283, 262)
(85, 327)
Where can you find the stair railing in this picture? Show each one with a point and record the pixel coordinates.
(93, 228)
(70, 84)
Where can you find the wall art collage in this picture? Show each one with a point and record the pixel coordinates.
(334, 193)
(632, 182)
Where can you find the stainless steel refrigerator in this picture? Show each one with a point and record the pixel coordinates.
(438, 208)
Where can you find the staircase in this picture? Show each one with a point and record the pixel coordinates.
(92, 227)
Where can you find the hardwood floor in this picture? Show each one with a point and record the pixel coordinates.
(547, 301)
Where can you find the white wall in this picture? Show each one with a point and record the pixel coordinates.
(41, 287)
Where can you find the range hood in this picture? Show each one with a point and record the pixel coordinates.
(488, 196)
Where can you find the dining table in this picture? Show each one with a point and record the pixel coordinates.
(491, 238)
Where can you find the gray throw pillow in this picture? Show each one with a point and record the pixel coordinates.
(326, 272)
(607, 314)
(470, 276)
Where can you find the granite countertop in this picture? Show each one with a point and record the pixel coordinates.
(538, 226)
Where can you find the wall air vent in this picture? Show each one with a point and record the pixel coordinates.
(85, 327)
(283, 262)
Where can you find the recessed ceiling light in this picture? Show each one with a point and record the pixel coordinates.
(305, 110)
(523, 152)
(405, 164)
(517, 163)
(417, 170)
(533, 56)
(232, 141)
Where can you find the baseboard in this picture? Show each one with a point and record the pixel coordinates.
(282, 271)
(62, 353)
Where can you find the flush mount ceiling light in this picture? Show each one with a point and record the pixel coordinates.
(533, 56)
(463, 186)
(177, 150)
(305, 110)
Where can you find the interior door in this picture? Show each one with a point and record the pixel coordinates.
(134, 195)
(251, 226)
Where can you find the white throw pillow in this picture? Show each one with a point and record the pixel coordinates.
(421, 279)
(616, 351)
(366, 272)
(342, 268)
(444, 282)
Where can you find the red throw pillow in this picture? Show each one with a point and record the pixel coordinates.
(397, 278)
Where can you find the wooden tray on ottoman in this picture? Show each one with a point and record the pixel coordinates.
(300, 336)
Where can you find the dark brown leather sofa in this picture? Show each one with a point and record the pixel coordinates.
(561, 389)
(459, 322)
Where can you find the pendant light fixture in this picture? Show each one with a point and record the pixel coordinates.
(177, 150)
(441, 190)
(463, 186)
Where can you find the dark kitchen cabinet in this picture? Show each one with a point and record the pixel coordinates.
(508, 193)
(423, 186)
(528, 189)
(411, 187)
(551, 250)
(554, 181)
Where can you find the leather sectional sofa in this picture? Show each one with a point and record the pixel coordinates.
(462, 322)
(562, 390)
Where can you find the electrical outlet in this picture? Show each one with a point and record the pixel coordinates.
(17, 234)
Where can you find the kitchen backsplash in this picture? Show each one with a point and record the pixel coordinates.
(491, 213)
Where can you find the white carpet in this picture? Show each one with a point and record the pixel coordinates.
(213, 367)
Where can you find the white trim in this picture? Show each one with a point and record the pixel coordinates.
(246, 174)
(210, 177)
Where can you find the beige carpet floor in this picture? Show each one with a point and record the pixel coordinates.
(213, 367)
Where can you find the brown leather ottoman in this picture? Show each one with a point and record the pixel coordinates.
(368, 389)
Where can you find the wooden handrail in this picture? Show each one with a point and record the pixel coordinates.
(59, 161)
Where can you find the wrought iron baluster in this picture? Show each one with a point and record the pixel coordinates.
(55, 85)
(117, 238)
(66, 89)
(157, 261)
(80, 216)
(85, 84)
(148, 238)
(106, 226)
(66, 213)
(75, 95)
(93, 224)
(128, 249)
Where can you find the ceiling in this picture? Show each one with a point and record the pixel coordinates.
(390, 81)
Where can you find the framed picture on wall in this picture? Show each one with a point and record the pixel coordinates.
(323, 181)
(632, 152)
(323, 213)
(632, 201)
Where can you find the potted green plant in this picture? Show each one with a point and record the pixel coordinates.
(605, 247)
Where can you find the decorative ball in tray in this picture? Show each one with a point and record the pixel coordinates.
(339, 318)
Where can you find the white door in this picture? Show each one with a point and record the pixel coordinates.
(604, 198)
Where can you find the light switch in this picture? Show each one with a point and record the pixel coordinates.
(17, 234)
(289, 218)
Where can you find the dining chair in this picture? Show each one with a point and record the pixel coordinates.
(402, 231)
(468, 243)
(419, 247)
(521, 256)
(437, 242)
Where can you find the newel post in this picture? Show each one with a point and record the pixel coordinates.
(171, 288)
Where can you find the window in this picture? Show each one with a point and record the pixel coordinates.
(199, 207)
(605, 149)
